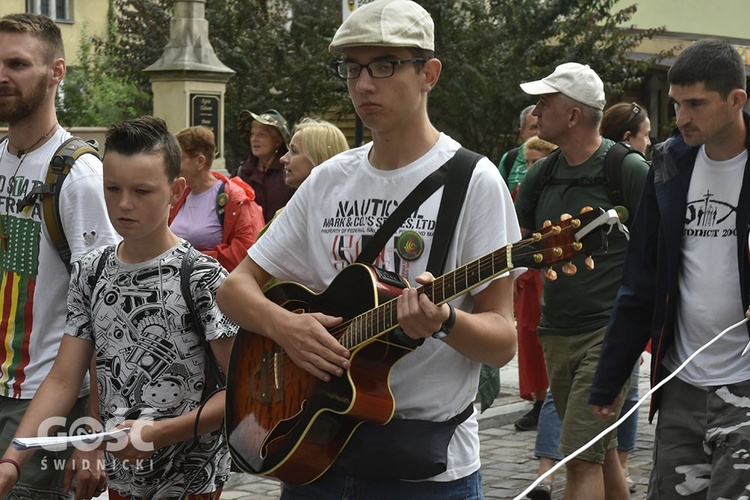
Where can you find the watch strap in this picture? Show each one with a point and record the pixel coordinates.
(446, 328)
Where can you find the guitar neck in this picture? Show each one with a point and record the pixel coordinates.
(384, 318)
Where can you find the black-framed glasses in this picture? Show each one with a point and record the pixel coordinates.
(635, 109)
(349, 70)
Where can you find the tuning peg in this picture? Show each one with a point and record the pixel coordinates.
(586, 209)
(589, 263)
(550, 274)
(565, 217)
(569, 269)
(546, 224)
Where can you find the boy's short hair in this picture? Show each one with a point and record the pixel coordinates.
(147, 134)
(714, 63)
(40, 27)
(196, 141)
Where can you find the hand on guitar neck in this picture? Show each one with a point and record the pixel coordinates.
(418, 316)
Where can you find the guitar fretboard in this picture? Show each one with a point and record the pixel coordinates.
(382, 319)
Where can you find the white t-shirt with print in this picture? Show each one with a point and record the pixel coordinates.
(710, 296)
(327, 222)
(34, 278)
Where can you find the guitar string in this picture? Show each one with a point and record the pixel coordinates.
(485, 263)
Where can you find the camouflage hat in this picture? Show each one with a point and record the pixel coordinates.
(269, 117)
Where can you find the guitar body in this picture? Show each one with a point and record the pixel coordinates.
(283, 422)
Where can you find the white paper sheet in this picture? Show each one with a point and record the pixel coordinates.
(55, 443)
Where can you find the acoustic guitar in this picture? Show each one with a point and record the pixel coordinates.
(285, 423)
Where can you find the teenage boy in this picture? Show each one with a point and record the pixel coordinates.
(387, 59)
(126, 306)
(686, 279)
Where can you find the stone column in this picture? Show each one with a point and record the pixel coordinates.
(189, 81)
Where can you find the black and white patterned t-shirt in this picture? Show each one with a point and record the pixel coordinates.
(151, 364)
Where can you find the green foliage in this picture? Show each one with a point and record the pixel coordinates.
(488, 47)
(281, 60)
(95, 93)
(278, 49)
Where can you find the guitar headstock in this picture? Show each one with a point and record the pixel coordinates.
(565, 240)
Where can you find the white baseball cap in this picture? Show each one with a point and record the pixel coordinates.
(386, 23)
(577, 81)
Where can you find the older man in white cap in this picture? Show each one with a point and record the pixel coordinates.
(387, 60)
(576, 309)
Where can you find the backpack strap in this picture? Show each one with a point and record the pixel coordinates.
(547, 166)
(509, 160)
(613, 161)
(222, 198)
(214, 377)
(611, 180)
(49, 192)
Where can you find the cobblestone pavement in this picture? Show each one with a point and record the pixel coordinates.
(508, 465)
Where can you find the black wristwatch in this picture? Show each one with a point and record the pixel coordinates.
(445, 330)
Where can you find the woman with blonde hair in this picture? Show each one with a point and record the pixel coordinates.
(313, 142)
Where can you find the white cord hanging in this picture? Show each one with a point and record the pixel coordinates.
(630, 412)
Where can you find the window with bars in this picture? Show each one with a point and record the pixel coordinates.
(58, 10)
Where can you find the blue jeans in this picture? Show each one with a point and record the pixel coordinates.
(628, 430)
(548, 433)
(332, 486)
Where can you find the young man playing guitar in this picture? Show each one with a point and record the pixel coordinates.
(387, 60)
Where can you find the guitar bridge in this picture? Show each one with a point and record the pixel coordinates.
(268, 377)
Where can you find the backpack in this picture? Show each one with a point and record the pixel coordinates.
(612, 178)
(510, 159)
(59, 167)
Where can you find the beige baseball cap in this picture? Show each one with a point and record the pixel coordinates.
(577, 81)
(386, 23)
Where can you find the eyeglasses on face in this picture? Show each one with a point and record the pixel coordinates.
(349, 70)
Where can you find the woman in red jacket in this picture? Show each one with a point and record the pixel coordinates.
(217, 215)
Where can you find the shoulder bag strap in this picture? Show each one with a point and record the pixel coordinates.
(424, 190)
(454, 194)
